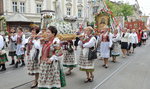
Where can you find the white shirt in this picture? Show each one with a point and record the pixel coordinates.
(1, 42)
(134, 38)
(144, 35)
(116, 37)
(130, 37)
(89, 44)
(125, 38)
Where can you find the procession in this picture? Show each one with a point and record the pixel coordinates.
(56, 48)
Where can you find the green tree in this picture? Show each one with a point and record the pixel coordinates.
(120, 9)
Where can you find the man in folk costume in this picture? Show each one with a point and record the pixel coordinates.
(105, 45)
(33, 53)
(20, 39)
(12, 46)
(51, 74)
(3, 56)
(86, 42)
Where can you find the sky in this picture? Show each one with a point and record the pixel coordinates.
(144, 5)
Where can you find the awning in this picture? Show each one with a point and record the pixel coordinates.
(18, 18)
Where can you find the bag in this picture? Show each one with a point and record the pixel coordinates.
(92, 54)
(62, 76)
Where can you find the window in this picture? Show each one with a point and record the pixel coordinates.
(95, 9)
(38, 8)
(69, 0)
(79, 1)
(14, 6)
(22, 7)
(79, 13)
(68, 11)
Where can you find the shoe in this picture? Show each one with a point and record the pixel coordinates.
(3, 69)
(34, 86)
(87, 80)
(16, 65)
(68, 73)
(106, 66)
(22, 65)
(91, 79)
(113, 61)
(12, 63)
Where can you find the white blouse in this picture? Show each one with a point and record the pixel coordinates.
(1, 42)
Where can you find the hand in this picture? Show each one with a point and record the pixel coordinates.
(49, 62)
(22, 49)
(0, 52)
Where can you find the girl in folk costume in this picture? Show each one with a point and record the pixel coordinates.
(86, 42)
(105, 45)
(33, 53)
(124, 42)
(3, 56)
(51, 75)
(12, 46)
(69, 57)
(115, 51)
(19, 38)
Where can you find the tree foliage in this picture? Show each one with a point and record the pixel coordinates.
(122, 9)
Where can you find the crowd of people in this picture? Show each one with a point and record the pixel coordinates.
(46, 55)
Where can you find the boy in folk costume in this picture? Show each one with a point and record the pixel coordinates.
(20, 39)
(3, 56)
(12, 46)
(86, 42)
(105, 45)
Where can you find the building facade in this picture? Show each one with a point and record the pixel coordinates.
(78, 9)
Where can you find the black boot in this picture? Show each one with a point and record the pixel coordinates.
(12, 62)
(0, 65)
(3, 67)
(23, 64)
(16, 65)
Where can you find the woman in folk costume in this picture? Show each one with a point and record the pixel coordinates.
(19, 38)
(134, 40)
(124, 41)
(144, 37)
(12, 46)
(51, 75)
(129, 41)
(105, 45)
(69, 56)
(86, 42)
(33, 53)
(3, 56)
(115, 51)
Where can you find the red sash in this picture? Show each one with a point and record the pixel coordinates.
(46, 50)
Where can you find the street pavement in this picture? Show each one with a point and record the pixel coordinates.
(131, 72)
